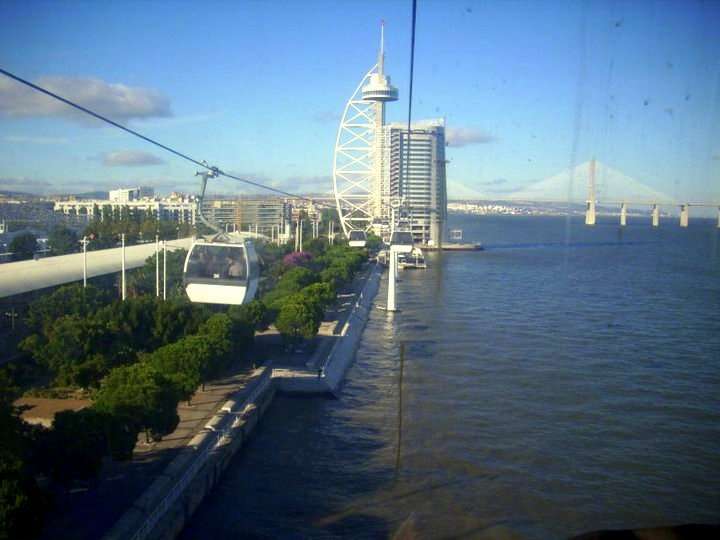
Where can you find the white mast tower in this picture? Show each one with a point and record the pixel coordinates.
(361, 181)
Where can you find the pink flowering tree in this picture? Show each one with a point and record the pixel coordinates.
(297, 258)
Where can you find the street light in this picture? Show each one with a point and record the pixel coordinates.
(124, 287)
(84, 243)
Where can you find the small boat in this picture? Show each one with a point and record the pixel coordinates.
(414, 259)
(383, 257)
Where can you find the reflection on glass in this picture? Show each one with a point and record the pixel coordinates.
(217, 262)
(401, 238)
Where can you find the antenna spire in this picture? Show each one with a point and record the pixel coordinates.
(381, 55)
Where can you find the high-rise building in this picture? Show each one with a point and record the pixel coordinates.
(265, 214)
(361, 156)
(417, 178)
(369, 170)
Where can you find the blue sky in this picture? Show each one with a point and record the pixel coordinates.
(257, 88)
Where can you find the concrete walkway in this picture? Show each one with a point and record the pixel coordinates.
(300, 372)
(89, 512)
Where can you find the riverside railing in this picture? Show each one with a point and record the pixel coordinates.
(190, 473)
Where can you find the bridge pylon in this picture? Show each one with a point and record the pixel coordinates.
(655, 215)
(590, 214)
(684, 215)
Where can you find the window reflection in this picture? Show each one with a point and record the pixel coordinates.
(217, 262)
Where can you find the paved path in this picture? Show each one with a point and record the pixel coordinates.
(313, 355)
(88, 513)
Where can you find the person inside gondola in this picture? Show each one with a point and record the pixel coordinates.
(215, 266)
(235, 269)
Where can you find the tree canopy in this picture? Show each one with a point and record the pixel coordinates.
(297, 319)
(142, 396)
(23, 246)
(62, 240)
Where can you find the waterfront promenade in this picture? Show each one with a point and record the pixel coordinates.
(307, 372)
(89, 512)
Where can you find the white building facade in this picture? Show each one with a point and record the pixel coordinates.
(176, 207)
(417, 178)
(262, 215)
(122, 195)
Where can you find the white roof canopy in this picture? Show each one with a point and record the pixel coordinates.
(25, 276)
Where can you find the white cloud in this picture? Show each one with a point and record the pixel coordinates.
(460, 136)
(130, 158)
(24, 184)
(117, 101)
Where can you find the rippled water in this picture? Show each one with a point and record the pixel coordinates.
(566, 379)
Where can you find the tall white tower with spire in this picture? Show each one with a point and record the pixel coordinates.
(380, 91)
(361, 179)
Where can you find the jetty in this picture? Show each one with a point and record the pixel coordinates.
(454, 246)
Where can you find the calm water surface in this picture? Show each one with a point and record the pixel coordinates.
(566, 379)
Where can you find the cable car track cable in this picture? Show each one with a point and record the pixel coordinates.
(177, 153)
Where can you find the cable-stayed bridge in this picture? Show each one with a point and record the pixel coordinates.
(598, 185)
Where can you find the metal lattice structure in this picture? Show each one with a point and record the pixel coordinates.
(353, 165)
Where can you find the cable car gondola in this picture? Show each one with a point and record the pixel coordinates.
(357, 239)
(401, 242)
(223, 269)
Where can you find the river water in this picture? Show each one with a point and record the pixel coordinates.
(565, 379)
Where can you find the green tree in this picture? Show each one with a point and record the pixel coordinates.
(253, 314)
(120, 433)
(291, 282)
(130, 325)
(323, 292)
(62, 240)
(181, 364)
(72, 349)
(142, 280)
(22, 504)
(176, 318)
(218, 331)
(201, 348)
(73, 449)
(297, 319)
(374, 242)
(23, 246)
(141, 396)
(336, 275)
(67, 300)
(316, 246)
